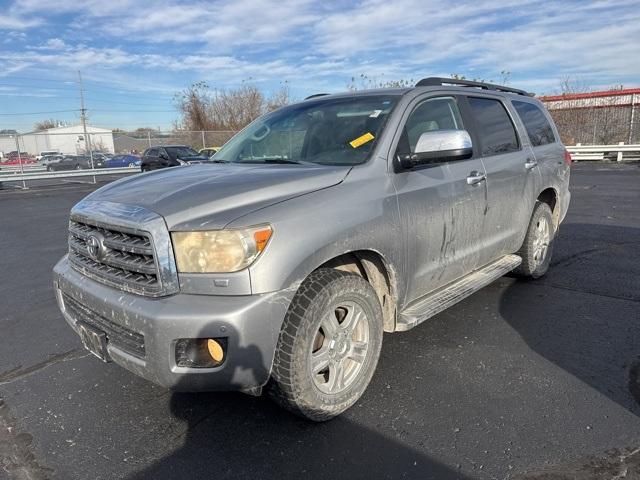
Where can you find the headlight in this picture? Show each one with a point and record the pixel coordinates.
(219, 251)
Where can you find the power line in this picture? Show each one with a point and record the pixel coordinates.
(5, 84)
(133, 111)
(19, 77)
(37, 113)
(112, 91)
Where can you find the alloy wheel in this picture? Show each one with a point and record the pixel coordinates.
(340, 348)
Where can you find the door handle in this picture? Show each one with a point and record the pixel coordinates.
(529, 164)
(476, 177)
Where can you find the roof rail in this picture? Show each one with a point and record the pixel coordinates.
(316, 95)
(438, 81)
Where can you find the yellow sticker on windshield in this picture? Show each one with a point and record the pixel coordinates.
(361, 140)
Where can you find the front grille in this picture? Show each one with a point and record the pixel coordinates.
(117, 335)
(126, 262)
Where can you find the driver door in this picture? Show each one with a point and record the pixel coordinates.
(442, 204)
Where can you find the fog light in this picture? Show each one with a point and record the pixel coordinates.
(215, 350)
(201, 352)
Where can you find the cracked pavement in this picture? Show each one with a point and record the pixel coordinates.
(522, 380)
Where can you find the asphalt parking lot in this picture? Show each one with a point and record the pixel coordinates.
(537, 380)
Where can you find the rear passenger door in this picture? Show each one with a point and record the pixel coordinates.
(511, 179)
(548, 152)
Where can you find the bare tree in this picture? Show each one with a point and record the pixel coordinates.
(47, 124)
(364, 82)
(280, 98)
(202, 108)
(194, 105)
(505, 78)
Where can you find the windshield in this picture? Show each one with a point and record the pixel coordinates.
(338, 131)
(178, 152)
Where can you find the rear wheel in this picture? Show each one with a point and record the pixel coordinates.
(537, 248)
(329, 345)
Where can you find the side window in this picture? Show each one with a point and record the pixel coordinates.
(152, 152)
(536, 123)
(495, 128)
(440, 113)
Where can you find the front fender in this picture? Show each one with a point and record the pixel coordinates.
(358, 214)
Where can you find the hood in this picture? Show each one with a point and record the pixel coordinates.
(202, 196)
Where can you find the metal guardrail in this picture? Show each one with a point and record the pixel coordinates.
(598, 152)
(16, 176)
(25, 168)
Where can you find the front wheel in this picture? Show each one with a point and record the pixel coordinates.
(538, 243)
(329, 345)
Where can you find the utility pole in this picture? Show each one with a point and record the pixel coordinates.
(83, 117)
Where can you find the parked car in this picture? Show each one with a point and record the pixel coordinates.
(119, 161)
(315, 229)
(75, 162)
(47, 159)
(102, 155)
(155, 158)
(15, 154)
(208, 152)
(15, 160)
(46, 153)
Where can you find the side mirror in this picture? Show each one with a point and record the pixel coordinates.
(439, 146)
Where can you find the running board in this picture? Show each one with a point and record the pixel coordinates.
(434, 303)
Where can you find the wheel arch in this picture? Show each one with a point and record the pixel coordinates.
(375, 269)
(550, 196)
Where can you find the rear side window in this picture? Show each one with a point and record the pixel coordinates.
(496, 130)
(536, 123)
(152, 152)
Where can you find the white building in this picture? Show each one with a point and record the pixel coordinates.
(69, 140)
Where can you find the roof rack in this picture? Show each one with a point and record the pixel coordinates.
(439, 81)
(316, 95)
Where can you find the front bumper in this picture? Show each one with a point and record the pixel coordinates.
(251, 324)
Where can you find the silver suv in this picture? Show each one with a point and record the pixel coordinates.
(280, 264)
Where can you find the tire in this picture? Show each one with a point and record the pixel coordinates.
(327, 300)
(131, 165)
(49, 169)
(78, 167)
(537, 249)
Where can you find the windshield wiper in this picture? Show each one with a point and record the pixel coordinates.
(218, 160)
(277, 160)
(280, 160)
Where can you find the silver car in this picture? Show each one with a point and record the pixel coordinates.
(279, 265)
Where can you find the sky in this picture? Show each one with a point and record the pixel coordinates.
(134, 56)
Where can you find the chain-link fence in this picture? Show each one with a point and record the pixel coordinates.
(74, 141)
(138, 142)
(605, 124)
(73, 153)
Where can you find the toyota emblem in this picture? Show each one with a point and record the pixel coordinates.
(95, 247)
